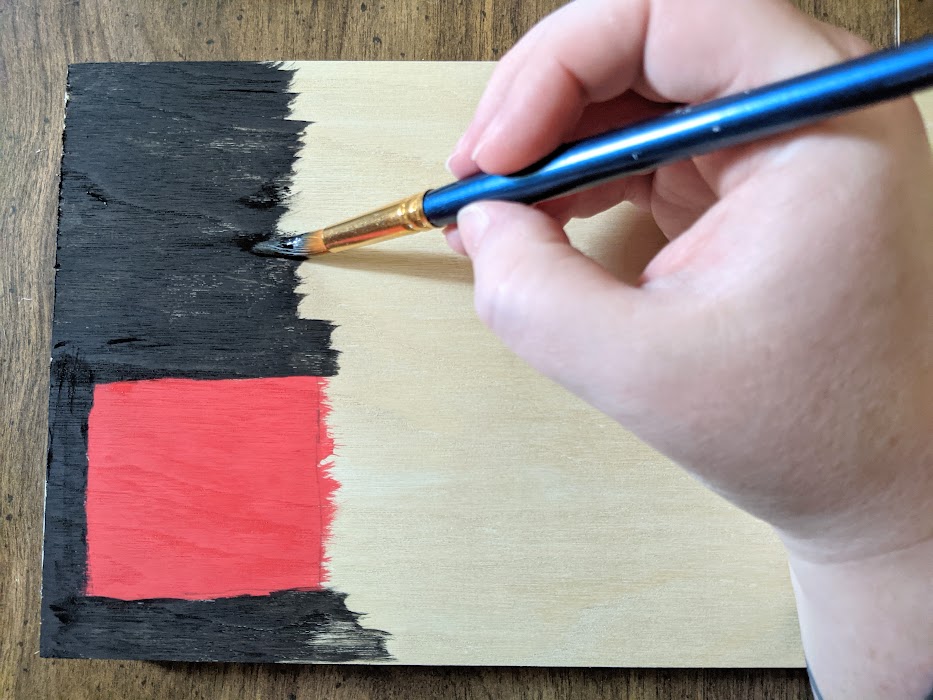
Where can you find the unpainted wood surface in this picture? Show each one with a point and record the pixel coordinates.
(38, 38)
(485, 515)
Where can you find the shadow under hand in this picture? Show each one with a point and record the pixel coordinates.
(381, 260)
(628, 241)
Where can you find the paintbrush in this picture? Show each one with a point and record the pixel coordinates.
(683, 133)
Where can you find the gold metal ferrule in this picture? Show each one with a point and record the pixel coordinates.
(399, 219)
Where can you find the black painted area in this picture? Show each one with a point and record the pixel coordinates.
(65, 551)
(243, 629)
(170, 172)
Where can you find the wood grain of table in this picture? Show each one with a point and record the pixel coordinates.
(38, 39)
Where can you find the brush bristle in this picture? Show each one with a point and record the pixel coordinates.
(291, 247)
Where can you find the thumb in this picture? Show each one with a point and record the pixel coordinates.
(559, 310)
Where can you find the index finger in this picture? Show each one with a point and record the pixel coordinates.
(593, 50)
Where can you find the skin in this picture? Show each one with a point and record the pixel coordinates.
(780, 346)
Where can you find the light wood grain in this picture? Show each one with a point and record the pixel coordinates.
(37, 40)
(487, 516)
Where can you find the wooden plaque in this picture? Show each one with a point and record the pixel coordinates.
(333, 461)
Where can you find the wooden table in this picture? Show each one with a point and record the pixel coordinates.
(38, 38)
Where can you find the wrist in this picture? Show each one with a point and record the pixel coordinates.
(867, 624)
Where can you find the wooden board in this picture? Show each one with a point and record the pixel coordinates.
(483, 516)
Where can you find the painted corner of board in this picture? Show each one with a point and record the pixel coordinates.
(189, 498)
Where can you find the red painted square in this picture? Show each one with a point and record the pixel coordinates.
(207, 489)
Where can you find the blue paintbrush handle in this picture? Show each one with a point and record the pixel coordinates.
(692, 131)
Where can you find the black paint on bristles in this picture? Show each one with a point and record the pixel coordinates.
(168, 172)
(290, 247)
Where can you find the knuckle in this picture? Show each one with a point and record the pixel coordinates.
(501, 298)
(491, 303)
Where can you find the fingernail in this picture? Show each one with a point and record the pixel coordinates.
(458, 165)
(483, 141)
(480, 145)
(473, 225)
(454, 154)
(452, 234)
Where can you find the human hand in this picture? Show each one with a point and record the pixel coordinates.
(780, 346)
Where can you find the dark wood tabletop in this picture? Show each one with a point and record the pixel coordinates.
(38, 39)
